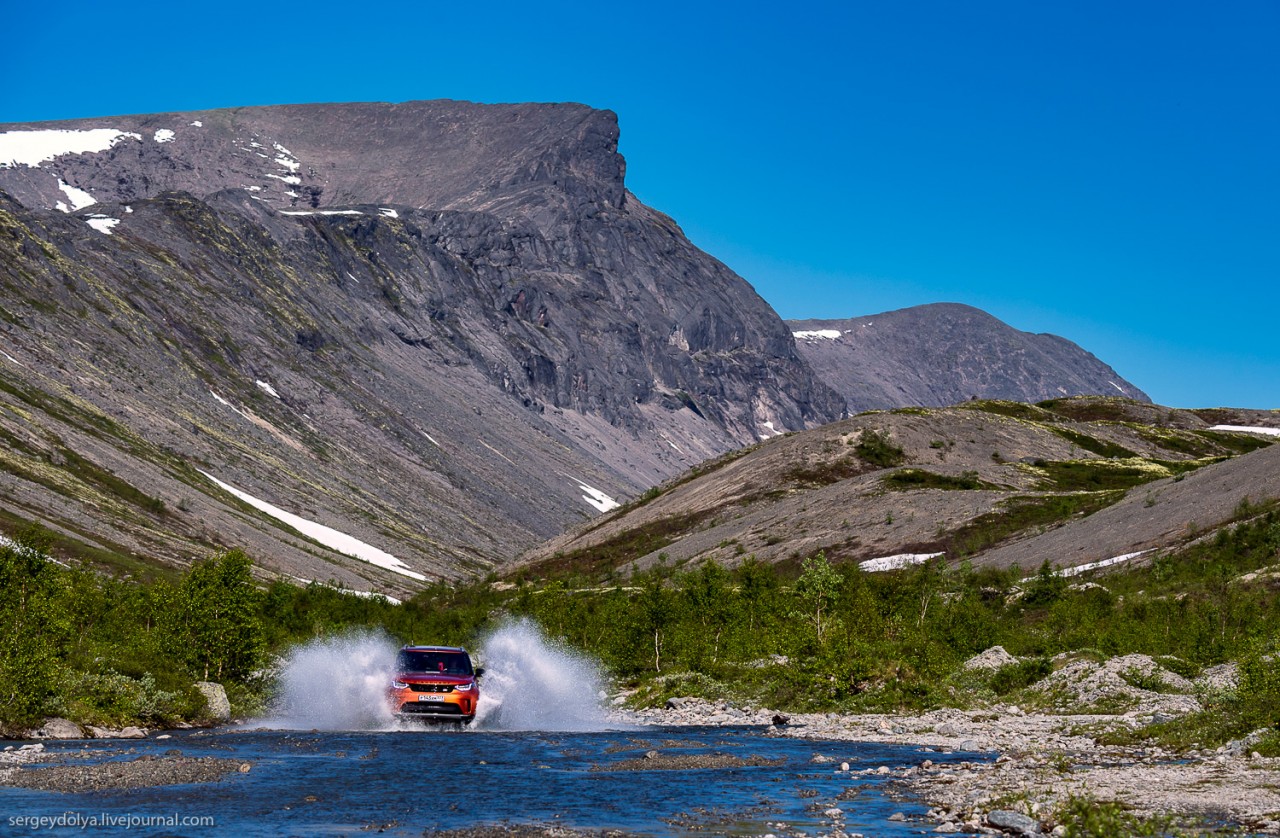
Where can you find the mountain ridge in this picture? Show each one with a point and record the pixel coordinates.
(943, 353)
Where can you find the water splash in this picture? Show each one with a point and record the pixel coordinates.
(531, 683)
(336, 683)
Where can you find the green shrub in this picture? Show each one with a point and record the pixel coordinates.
(876, 449)
(1016, 676)
(1085, 817)
(35, 629)
(215, 624)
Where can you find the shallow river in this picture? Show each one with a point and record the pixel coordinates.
(405, 782)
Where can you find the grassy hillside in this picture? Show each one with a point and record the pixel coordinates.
(962, 480)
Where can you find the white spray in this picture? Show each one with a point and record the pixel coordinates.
(530, 683)
(336, 683)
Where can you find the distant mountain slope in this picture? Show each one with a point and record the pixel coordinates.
(444, 329)
(944, 353)
(989, 481)
(1161, 514)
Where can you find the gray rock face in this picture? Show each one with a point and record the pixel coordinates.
(945, 353)
(217, 706)
(437, 327)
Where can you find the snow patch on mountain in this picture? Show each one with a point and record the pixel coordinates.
(329, 537)
(1114, 560)
(78, 197)
(102, 223)
(897, 561)
(1247, 429)
(226, 403)
(817, 334)
(163, 135)
(31, 148)
(597, 498)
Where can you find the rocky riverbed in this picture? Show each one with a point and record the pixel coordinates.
(1044, 759)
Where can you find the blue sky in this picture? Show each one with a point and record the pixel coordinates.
(1106, 171)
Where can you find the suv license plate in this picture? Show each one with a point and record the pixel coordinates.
(429, 697)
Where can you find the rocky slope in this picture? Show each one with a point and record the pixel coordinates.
(945, 353)
(446, 330)
(1074, 481)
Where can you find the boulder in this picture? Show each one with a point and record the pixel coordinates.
(112, 733)
(217, 706)
(1015, 823)
(58, 729)
(993, 658)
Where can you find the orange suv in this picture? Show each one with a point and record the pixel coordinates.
(435, 683)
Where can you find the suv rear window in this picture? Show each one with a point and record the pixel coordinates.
(446, 663)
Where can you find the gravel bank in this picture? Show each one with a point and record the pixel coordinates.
(144, 772)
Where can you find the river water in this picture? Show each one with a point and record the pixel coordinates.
(330, 760)
(408, 781)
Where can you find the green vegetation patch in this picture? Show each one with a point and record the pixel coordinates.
(111, 484)
(1023, 513)
(64, 410)
(1016, 676)
(1091, 408)
(1102, 475)
(603, 558)
(1085, 817)
(1101, 447)
(1190, 443)
(1014, 410)
(875, 448)
(817, 475)
(915, 478)
(1238, 443)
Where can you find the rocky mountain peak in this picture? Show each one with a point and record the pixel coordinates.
(439, 155)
